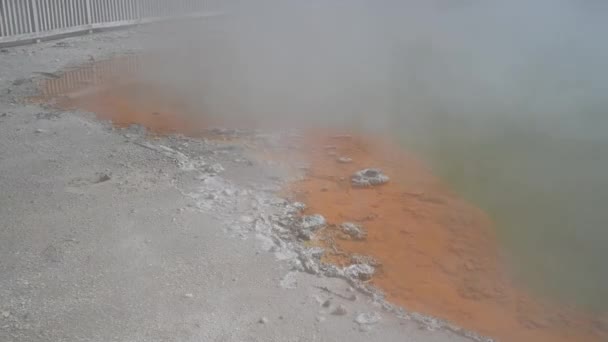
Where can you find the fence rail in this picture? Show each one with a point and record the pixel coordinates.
(35, 19)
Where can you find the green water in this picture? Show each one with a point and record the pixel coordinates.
(547, 192)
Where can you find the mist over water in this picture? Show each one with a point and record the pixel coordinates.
(506, 100)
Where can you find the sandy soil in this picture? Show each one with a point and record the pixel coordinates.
(111, 234)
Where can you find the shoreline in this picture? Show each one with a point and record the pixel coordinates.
(423, 193)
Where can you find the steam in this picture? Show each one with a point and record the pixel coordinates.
(506, 99)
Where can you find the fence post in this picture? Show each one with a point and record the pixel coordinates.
(138, 10)
(35, 17)
(87, 5)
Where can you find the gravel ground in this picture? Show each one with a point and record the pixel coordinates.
(106, 235)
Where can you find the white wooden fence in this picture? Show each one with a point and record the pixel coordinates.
(23, 20)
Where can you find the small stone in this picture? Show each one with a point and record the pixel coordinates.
(299, 206)
(326, 303)
(102, 177)
(353, 230)
(307, 225)
(368, 177)
(359, 271)
(215, 169)
(39, 131)
(52, 254)
(289, 281)
(313, 222)
(339, 311)
(364, 259)
(263, 320)
(321, 319)
(368, 318)
(189, 295)
(246, 219)
(6, 314)
(345, 160)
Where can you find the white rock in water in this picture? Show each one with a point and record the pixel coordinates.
(368, 318)
(299, 205)
(354, 230)
(312, 222)
(359, 271)
(364, 259)
(368, 177)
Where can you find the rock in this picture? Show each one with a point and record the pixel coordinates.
(313, 222)
(246, 219)
(299, 206)
(136, 129)
(6, 314)
(308, 225)
(364, 259)
(326, 303)
(344, 160)
(102, 177)
(47, 74)
(309, 259)
(62, 44)
(289, 281)
(353, 230)
(39, 131)
(321, 319)
(263, 320)
(214, 169)
(368, 318)
(359, 271)
(48, 116)
(189, 295)
(52, 254)
(19, 81)
(368, 177)
(339, 311)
